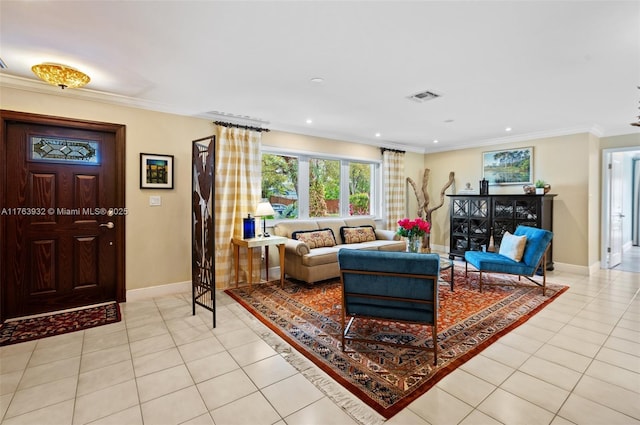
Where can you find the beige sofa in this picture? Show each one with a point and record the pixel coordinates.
(310, 263)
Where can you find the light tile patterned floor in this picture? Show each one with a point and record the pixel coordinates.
(577, 361)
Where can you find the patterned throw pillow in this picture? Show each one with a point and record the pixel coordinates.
(357, 234)
(512, 246)
(316, 238)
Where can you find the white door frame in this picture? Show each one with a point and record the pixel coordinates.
(605, 200)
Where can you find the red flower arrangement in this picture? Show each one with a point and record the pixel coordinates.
(412, 228)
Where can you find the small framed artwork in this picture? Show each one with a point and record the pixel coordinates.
(509, 166)
(156, 171)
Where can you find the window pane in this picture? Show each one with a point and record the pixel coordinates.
(279, 184)
(324, 187)
(359, 189)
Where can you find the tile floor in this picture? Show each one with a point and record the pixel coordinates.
(630, 260)
(576, 362)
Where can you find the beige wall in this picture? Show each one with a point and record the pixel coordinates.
(158, 239)
(563, 162)
(311, 144)
(631, 140)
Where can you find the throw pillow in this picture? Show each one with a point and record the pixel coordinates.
(316, 238)
(512, 246)
(357, 234)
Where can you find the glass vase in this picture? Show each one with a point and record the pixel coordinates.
(414, 243)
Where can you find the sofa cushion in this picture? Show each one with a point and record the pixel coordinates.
(512, 246)
(286, 228)
(357, 234)
(316, 238)
(360, 221)
(334, 224)
(494, 262)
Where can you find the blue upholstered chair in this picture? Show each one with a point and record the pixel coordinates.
(399, 286)
(534, 257)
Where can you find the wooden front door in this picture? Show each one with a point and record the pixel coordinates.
(62, 213)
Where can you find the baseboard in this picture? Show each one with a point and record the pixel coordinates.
(575, 269)
(158, 291)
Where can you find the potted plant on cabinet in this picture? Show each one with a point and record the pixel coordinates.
(540, 187)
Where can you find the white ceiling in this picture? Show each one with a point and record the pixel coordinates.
(542, 68)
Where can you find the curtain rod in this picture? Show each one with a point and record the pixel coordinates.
(383, 150)
(246, 127)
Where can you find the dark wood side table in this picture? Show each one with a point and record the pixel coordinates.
(258, 242)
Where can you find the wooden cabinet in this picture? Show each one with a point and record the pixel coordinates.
(475, 218)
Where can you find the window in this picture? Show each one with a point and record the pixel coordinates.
(302, 186)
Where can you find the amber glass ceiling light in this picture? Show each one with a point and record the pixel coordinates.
(61, 75)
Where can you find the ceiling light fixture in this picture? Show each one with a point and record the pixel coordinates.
(60, 75)
(309, 120)
(507, 129)
(377, 134)
(435, 141)
(317, 80)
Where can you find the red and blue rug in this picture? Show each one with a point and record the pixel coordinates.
(388, 378)
(28, 329)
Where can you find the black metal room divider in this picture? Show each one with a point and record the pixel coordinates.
(202, 252)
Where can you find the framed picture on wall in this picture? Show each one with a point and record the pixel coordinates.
(156, 171)
(508, 166)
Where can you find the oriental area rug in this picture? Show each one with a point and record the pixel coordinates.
(42, 326)
(388, 378)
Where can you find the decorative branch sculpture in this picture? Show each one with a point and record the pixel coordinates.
(423, 200)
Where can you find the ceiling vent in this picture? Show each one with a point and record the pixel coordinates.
(423, 96)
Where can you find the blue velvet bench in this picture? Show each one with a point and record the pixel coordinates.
(534, 257)
(399, 286)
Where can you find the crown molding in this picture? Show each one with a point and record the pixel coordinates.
(83, 93)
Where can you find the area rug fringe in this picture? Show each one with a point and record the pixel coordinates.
(354, 407)
(265, 306)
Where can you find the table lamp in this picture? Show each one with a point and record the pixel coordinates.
(264, 209)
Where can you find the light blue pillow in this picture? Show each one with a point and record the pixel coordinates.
(512, 246)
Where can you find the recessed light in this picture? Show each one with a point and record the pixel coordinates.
(377, 134)
(448, 121)
(309, 121)
(435, 141)
(507, 129)
(317, 80)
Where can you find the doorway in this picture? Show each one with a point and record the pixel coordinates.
(62, 221)
(619, 250)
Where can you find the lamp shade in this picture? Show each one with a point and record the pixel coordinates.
(60, 75)
(263, 209)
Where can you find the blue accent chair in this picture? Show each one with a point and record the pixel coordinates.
(399, 286)
(534, 257)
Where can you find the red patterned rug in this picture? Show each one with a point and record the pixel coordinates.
(21, 330)
(385, 377)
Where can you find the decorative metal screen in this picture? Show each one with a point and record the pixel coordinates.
(202, 254)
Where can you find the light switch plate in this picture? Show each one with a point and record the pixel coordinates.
(155, 201)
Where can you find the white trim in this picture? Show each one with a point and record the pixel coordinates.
(595, 130)
(573, 268)
(158, 291)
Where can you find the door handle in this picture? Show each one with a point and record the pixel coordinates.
(108, 225)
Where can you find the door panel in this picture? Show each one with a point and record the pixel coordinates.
(616, 216)
(60, 256)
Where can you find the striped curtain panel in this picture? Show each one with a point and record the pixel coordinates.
(394, 187)
(237, 181)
